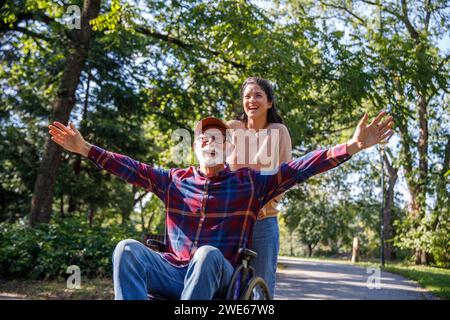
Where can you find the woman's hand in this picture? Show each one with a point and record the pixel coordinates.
(69, 138)
(368, 135)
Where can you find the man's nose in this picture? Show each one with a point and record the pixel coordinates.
(208, 141)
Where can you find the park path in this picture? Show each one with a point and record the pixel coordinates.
(322, 280)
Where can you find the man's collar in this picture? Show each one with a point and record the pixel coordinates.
(222, 172)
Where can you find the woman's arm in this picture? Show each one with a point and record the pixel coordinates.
(285, 146)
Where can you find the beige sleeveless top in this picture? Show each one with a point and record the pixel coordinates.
(263, 150)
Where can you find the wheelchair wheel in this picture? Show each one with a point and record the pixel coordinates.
(233, 288)
(256, 289)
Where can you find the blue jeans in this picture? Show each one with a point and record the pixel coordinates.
(266, 244)
(138, 270)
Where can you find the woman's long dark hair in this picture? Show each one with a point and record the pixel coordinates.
(266, 86)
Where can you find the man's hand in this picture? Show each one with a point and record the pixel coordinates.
(69, 138)
(368, 135)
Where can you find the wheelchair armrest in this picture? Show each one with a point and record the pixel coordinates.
(247, 254)
(155, 245)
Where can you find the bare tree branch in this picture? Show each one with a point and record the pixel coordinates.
(428, 11)
(32, 33)
(182, 44)
(402, 17)
(412, 31)
(139, 198)
(27, 16)
(389, 165)
(443, 62)
(362, 21)
(384, 8)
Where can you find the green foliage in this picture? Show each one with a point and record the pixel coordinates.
(315, 221)
(431, 234)
(47, 251)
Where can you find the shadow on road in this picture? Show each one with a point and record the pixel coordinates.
(313, 279)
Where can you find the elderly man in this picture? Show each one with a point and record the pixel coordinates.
(210, 210)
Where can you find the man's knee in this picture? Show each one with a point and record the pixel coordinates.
(209, 255)
(125, 248)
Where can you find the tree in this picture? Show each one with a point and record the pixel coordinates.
(392, 174)
(412, 77)
(41, 203)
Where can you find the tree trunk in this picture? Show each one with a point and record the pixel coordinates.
(421, 256)
(144, 232)
(416, 183)
(423, 152)
(387, 210)
(443, 197)
(149, 224)
(61, 204)
(423, 167)
(41, 203)
(73, 200)
(125, 213)
(355, 250)
(91, 216)
(73, 203)
(310, 250)
(291, 245)
(387, 213)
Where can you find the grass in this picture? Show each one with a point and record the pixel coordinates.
(435, 280)
(91, 289)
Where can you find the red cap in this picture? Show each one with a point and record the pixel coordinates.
(210, 122)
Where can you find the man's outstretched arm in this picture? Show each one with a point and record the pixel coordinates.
(126, 168)
(315, 162)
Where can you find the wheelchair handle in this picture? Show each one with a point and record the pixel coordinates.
(247, 254)
(155, 245)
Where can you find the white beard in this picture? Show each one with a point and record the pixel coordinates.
(206, 159)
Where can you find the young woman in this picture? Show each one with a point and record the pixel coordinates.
(262, 143)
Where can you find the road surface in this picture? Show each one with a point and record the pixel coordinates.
(323, 280)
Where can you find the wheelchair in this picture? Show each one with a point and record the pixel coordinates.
(244, 284)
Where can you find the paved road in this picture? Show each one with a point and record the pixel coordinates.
(314, 279)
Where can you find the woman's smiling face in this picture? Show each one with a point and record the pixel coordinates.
(255, 101)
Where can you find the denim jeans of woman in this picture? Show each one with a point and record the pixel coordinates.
(266, 244)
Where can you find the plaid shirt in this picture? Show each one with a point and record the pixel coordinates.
(218, 211)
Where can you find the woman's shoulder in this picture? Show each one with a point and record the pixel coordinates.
(283, 129)
(236, 124)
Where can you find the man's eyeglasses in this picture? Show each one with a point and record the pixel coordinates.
(204, 138)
